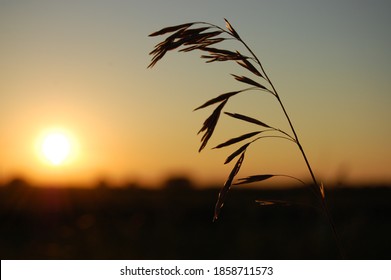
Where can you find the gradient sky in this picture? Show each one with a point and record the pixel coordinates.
(81, 66)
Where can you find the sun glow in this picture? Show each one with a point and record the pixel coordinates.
(56, 147)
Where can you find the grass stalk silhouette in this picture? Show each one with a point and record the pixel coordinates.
(203, 38)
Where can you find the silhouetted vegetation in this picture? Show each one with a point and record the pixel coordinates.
(200, 36)
(174, 222)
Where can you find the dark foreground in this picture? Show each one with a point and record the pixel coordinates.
(176, 223)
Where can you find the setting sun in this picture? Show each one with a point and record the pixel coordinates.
(56, 148)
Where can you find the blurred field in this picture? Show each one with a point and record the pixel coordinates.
(175, 222)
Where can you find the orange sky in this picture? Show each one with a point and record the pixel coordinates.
(81, 67)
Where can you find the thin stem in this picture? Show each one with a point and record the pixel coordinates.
(284, 110)
(283, 132)
(288, 176)
(285, 113)
(274, 136)
(316, 186)
(215, 26)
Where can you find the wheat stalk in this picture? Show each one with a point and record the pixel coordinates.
(201, 36)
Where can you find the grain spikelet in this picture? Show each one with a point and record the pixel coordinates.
(237, 139)
(254, 178)
(249, 81)
(219, 98)
(210, 124)
(223, 192)
(231, 29)
(247, 64)
(247, 119)
(171, 29)
(236, 153)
